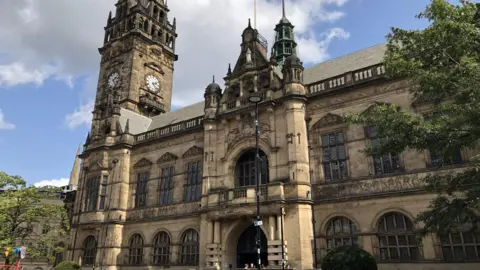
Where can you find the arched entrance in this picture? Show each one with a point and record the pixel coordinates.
(246, 248)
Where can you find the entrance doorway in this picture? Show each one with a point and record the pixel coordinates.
(246, 248)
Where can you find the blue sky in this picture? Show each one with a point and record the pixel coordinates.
(41, 131)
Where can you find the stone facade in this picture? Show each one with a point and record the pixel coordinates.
(176, 189)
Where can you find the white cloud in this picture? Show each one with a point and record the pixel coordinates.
(81, 116)
(52, 183)
(4, 124)
(54, 39)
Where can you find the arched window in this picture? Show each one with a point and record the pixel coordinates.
(161, 249)
(461, 245)
(189, 248)
(58, 251)
(89, 250)
(135, 250)
(340, 232)
(396, 238)
(245, 169)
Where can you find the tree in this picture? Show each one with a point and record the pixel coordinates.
(441, 62)
(348, 257)
(29, 217)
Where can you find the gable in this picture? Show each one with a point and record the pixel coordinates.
(167, 157)
(143, 163)
(372, 107)
(193, 151)
(329, 119)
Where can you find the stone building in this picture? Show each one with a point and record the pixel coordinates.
(161, 188)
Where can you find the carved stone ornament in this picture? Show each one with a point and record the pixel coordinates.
(96, 166)
(329, 119)
(193, 151)
(371, 107)
(167, 157)
(370, 187)
(143, 163)
(246, 130)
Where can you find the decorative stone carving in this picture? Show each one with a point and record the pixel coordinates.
(96, 166)
(371, 107)
(167, 157)
(329, 119)
(370, 187)
(163, 211)
(143, 163)
(170, 142)
(246, 129)
(193, 151)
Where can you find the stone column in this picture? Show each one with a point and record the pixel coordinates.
(210, 232)
(216, 233)
(271, 225)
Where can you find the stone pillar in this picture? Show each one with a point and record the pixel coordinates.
(279, 228)
(175, 259)
(210, 232)
(271, 225)
(216, 233)
(213, 251)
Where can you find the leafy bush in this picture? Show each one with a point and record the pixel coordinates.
(348, 258)
(67, 266)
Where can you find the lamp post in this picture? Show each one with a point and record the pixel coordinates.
(257, 99)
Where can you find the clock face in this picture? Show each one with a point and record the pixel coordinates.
(113, 79)
(153, 84)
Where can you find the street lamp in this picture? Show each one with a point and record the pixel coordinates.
(257, 99)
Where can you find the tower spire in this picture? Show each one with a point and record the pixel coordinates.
(75, 173)
(283, 9)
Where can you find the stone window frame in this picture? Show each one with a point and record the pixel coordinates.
(264, 167)
(458, 239)
(193, 155)
(92, 192)
(169, 190)
(137, 203)
(161, 250)
(426, 113)
(353, 237)
(397, 238)
(90, 250)
(189, 186)
(102, 192)
(399, 156)
(328, 124)
(167, 160)
(136, 249)
(189, 247)
(143, 166)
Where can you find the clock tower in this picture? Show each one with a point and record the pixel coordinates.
(137, 59)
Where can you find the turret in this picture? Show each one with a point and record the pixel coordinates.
(284, 44)
(293, 75)
(213, 94)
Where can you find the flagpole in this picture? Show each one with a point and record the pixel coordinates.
(254, 14)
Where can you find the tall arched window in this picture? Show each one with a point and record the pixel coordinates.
(89, 250)
(135, 250)
(396, 238)
(245, 169)
(462, 245)
(161, 249)
(341, 231)
(189, 248)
